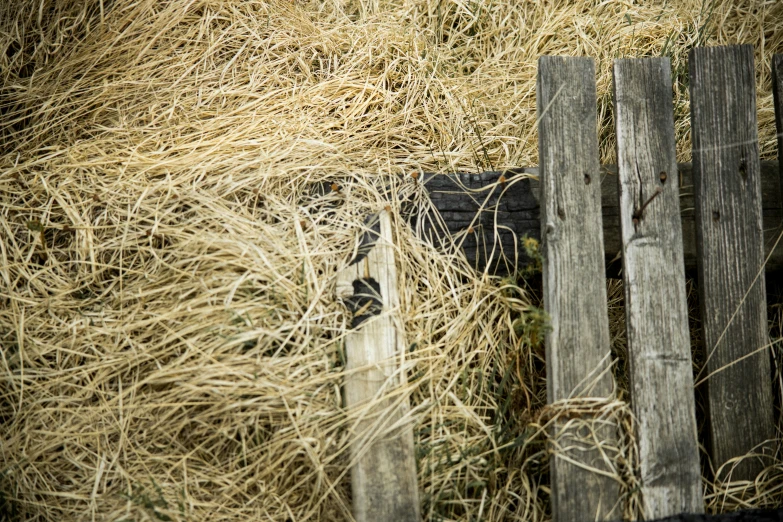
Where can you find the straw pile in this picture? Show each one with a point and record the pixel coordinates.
(170, 345)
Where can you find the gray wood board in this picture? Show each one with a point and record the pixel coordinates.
(383, 474)
(659, 344)
(515, 208)
(577, 346)
(730, 247)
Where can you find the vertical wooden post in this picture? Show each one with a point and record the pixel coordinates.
(656, 308)
(726, 171)
(577, 347)
(383, 475)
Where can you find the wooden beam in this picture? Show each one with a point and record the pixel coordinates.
(514, 206)
(730, 247)
(656, 307)
(577, 347)
(383, 474)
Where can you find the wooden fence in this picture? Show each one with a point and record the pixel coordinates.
(734, 197)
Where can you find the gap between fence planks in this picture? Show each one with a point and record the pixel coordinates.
(730, 249)
(383, 473)
(577, 347)
(656, 308)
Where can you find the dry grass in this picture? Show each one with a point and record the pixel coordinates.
(171, 345)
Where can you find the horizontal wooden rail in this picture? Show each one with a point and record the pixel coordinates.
(514, 206)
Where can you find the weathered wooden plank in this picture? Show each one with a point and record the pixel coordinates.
(577, 347)
(515, 208)
(730, 249)
(383, 475)
(656, 308)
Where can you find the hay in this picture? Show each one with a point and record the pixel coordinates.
(171, 345)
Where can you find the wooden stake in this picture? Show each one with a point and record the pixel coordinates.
(383, 476)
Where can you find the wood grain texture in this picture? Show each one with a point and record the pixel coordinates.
(772, 206)
(383, 475)
(656, 308)
(730, 255)
(577, 347)
(465, 200)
